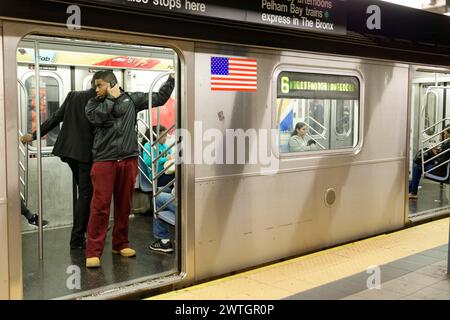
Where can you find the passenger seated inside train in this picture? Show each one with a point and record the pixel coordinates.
(163, 162)
(298, 140)
(161, 223)
(441, 171)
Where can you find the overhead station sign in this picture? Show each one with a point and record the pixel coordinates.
(310, 15)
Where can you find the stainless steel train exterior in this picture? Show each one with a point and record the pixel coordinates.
(233, 217)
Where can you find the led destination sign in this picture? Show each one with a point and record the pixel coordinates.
(310, 15)
(317, 86)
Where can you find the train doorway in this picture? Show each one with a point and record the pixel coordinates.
(429, 167)
(48, 68)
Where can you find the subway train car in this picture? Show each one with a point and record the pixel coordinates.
(293, 131)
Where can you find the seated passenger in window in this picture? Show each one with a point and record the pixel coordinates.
(163, 161)
(299, 141)
(441, 171)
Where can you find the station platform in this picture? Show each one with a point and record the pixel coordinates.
(410, 264)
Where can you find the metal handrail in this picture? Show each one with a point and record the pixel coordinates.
(39, 156)
(23, 149)
(154, 175)
(321, 135)
(430, 127)
(163, 135)
(320, 125)
(164, 152)
(161, 190)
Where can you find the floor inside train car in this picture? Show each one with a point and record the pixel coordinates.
(50, 278)
(410, 264)
(432, 195)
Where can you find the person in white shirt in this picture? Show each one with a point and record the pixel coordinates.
(298, 140)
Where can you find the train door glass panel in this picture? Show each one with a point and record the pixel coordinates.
(318, 120)
(433, 111)
(50, 91)
(342, 124)
(326, 104)
(430, 114)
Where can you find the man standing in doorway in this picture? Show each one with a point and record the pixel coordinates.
(74, 146)
(113, 114)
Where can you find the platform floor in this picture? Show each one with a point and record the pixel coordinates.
(412, 264)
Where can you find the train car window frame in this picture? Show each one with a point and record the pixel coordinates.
(44, 74)
(357, 115)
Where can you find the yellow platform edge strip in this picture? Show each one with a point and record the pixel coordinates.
(275, 265)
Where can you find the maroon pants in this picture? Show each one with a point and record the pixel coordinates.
(108, 178)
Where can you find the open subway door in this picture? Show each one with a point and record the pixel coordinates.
(47, 186)
(430, 118)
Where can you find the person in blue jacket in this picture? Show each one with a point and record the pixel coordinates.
(166, 178)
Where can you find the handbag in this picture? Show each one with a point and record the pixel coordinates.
(171, 165)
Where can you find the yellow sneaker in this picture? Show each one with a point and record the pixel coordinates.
(93, 262)
(126, 252)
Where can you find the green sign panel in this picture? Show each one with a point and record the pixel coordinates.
(317, 86)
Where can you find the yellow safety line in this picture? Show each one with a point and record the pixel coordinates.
(191, 289)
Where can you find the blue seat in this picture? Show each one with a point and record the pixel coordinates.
(144, 182)
(437, 178)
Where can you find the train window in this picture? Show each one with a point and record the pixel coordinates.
(344, 113)
(430, 114)
(49, 92)
(317, 111)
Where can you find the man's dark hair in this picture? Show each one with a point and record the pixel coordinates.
(95, 77)
(108, 76)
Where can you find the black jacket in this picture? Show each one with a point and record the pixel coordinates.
(114, 120)
(77, 134)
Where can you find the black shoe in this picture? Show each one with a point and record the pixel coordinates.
(34, 221)
(158, 245)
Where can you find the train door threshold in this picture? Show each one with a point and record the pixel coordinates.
(429, 214)
(127, 290)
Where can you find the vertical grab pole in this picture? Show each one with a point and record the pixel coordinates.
(39, 155)
(448, 256)
(152, 156)
(26, 155)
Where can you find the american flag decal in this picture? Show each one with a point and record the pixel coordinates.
(233, 74)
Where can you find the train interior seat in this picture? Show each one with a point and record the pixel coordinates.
(438, 178)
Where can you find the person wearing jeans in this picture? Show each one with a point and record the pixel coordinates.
(161, 228)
